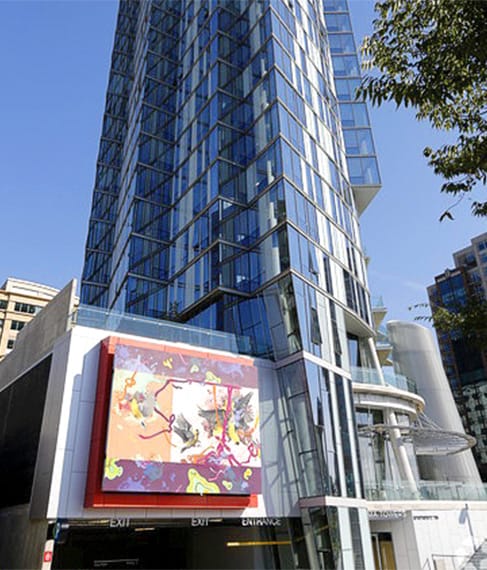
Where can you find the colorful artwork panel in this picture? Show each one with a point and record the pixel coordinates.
(182, 421)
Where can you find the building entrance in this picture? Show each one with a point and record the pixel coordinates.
(200, 543)
(383, 551)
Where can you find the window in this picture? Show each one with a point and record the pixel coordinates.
(315, 327)
(469, 260)
(335, 6)
(358, 141)
(345, 65)
(27, 308)
(354, 115)
(342, 43)
(10, 343)
(3, 304)
(338, 23)
(327, 274)
(346, 88)
(17, 325)
(363, 171)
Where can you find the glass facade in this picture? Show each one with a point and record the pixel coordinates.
(357, 134)
(225, 198)
(465, 364)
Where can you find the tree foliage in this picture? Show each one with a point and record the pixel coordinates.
(470, 321)
(467, 320)
(432, 55)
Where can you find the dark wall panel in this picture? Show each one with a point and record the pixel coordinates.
(21, 411)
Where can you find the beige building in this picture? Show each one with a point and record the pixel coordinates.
(20, 301)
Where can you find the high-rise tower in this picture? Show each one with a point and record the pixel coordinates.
(222, 164)
(465, 363)
(233, 167)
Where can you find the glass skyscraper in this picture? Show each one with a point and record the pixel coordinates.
(465, 362)
(233, 167)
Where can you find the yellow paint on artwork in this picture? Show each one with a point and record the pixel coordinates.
(210, 377)
(112, 470)
(247, 474)
(134, 408)
(228, 485)
(194, 368)
(167, 363)
(198, 484)
(232, 433)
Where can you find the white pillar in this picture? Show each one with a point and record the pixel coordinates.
(400, 452)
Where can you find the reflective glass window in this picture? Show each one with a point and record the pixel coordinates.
(354, 115)
(346, 65)
(338, 22)
(342, 43)
(358, 141)
(335, 5)
(363, 171)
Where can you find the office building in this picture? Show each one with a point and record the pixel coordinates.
(464, 362)
(20, 301)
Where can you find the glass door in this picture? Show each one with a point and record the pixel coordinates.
(383, 551)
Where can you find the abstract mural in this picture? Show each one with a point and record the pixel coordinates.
(182, 421)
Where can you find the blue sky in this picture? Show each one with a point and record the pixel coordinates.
(55, 58)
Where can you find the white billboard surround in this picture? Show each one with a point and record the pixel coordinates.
(71, 396)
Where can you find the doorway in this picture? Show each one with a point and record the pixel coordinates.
(383, 551)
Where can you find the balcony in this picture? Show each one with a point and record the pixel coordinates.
(426, 491)
(371, 376)
(95, 317)
(379, 311)
(377, 302)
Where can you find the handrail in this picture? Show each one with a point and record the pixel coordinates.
(426, 491)
(452, 558)
(364, 375)
(95, 317)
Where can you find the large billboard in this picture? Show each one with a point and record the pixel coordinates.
(180, 420)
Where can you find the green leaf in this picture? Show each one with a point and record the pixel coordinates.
(432, 56)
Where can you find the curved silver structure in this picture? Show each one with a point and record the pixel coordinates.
(415, 355)
(429, 438)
